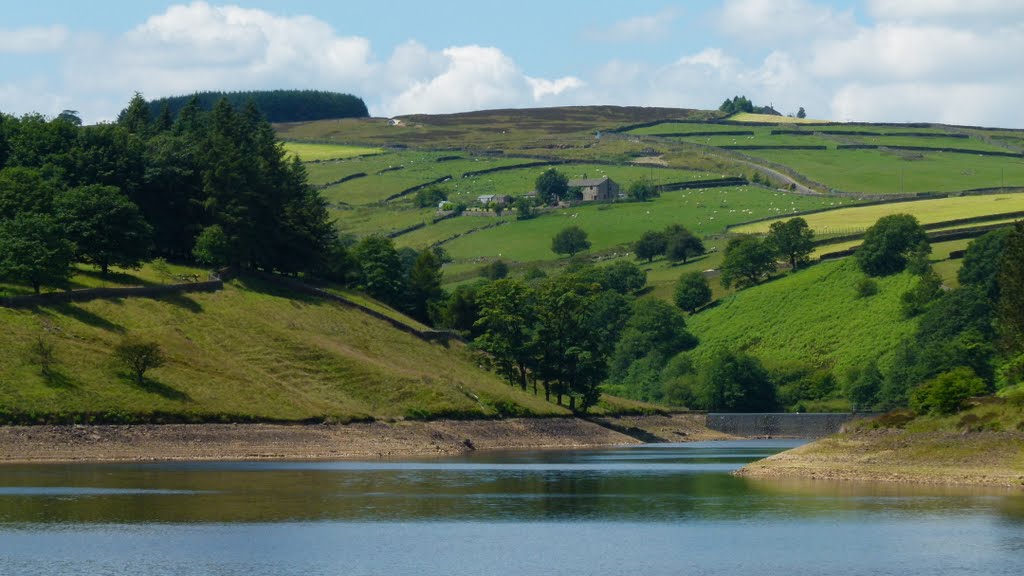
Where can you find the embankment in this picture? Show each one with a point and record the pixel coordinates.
(984, 458)
(308, 442)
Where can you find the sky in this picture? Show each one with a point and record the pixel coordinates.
(949, 61)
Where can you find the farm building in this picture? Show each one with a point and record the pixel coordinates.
(596, 189)
(487, 199)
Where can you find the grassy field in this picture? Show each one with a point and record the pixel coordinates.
(248, 351)
(445, 229)
(748, 117)
(813, 317)
(884, 172)
(859, 218)
(364, 220)
(89, 277)
(614, 226)
(314, 152)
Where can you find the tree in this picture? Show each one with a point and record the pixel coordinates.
(33, 252)
(863, 385)
(801, 113)
(139, 357)
(621, 276)
(945, 393)
(1011, 290)
(692, 291)
(917, 299)
(136, 117)
(654, 328)
(551, 186)
(507, 319)
(380, 269)
(494, 270)
(460, 312)
(792, 239)
(424, 290)
(43, 353)
(570, 240)
(736, 382)
(643, 190)
(681, 244)
(24, 190)
(649, 245)
(888, 244)
(982, 259)
(524, 209)
(212, 246)
(106, 227)
(747, 261)
(431, 196)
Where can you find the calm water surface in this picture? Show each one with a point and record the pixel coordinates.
(647, 510)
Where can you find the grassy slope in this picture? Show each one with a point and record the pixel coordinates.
(949, 449)
(813, 316)
(247, 351)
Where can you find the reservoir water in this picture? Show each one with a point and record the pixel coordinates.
(646, 510)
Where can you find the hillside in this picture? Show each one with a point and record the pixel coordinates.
(249, 352)
(814, 317)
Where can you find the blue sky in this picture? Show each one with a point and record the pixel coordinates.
(867, 60)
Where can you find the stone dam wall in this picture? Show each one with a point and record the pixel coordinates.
(780, 424)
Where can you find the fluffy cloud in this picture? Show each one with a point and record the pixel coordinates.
(476, 77)
(32, 40)
(949, 103)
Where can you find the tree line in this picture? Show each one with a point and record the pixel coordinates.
(276, 105)
(213, 186)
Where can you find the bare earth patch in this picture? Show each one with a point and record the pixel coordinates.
(975, 458)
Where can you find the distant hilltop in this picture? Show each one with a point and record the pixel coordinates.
(276, 105)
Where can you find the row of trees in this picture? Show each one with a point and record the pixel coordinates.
(214, 185)
(570, 332)
(276, 105)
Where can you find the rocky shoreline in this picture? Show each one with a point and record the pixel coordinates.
(139, 443)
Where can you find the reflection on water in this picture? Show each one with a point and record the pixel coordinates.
(656, 509)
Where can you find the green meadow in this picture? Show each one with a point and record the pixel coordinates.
(308, 152)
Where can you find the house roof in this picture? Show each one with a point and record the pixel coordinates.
(584, 182)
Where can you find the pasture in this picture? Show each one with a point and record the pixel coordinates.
(317, 152)
(614, 226)
(894, 172)
(858, 218)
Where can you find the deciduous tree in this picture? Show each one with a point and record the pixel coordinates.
(33, 251)
(570, 240)
(792, 239)
(106, 227)
(747, 261)
(692, 291)
(551, 186)
(888, 244)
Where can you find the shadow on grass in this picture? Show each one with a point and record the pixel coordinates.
(112, 279)
(83, 316)
(59, 380)
(183, 302)
(159, 388)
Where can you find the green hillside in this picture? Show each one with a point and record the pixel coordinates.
(813, 317)
(247, 352)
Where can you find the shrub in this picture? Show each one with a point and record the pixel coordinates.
(138, 357)
(945, 394)
(866, 287)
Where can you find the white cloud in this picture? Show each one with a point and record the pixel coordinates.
(777, 22)
(647, 28)
(32, 40)
(944, 9)
(949, 103)
(475, 77)
(908, 52)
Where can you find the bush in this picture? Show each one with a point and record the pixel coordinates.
(138, 357)
(945, 394)
(866, 287)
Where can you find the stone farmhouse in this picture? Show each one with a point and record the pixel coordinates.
(596, 189)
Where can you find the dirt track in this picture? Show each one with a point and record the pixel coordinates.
(367, 440)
